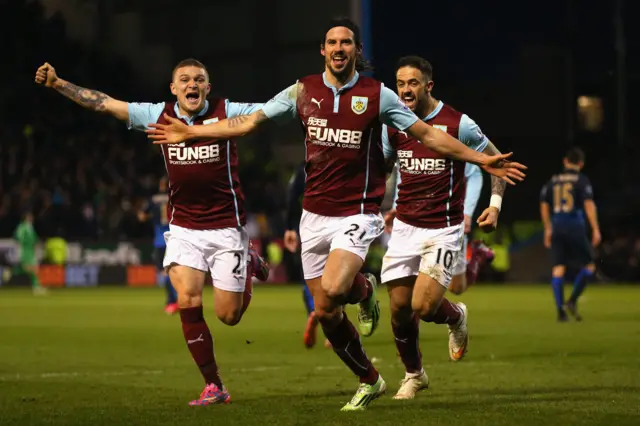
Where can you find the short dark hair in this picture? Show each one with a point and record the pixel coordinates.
(189, 62)
(575, 156)
(361, 63)
(418, 63)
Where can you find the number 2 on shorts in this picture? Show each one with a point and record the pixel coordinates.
(353, 229)
(236, 269)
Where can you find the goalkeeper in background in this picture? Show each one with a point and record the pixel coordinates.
(27, 238)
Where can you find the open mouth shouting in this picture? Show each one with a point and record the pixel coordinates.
(409, 100)
(193, 99)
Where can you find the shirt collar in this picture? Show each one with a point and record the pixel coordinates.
(188, 119)
(435, 111)
(349, 85)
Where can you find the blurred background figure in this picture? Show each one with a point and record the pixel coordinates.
(155, 210)
(27, 239)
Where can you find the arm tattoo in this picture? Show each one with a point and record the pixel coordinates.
(498, 186)
(260, 118)
(91, 99)
(236, 121)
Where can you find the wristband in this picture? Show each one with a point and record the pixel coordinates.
(496, 201)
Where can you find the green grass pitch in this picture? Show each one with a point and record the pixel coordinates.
(111, 356)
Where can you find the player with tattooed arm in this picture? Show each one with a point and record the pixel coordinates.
(207, 241)
(425, 251)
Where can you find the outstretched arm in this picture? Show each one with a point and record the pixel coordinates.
(394, 113)
(282, 107)
(176, 131)
(88, 98)
(445, 144)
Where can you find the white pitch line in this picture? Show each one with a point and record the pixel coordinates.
(72, 374)
(257, 369)
(68, 374)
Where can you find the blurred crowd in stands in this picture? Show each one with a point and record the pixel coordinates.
(84, 175)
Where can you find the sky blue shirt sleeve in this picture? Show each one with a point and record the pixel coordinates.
(395, 187)
(393, 112)
(473, 174)
(282, 107)
(234, 109)
(470, 134)
(143, 113)
(387, 149)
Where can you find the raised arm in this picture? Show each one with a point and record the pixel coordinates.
(88, 98)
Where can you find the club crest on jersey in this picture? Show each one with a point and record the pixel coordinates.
(359, 104)
(210, 120)
(440, 127)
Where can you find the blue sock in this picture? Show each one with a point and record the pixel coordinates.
(308, 299)
(172, 296)
(580, 284)
(557, 283)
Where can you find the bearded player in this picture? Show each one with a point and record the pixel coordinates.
(207, 240)
(426, 246)
(341, 112)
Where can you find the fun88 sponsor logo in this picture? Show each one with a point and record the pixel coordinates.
(341, 138)
(183, 156)
(416, 166)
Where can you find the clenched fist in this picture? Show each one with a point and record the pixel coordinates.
(46, 75)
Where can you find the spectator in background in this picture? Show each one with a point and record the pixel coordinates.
(55, 251)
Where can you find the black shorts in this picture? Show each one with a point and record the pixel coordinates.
(570, 247)
(158, 257)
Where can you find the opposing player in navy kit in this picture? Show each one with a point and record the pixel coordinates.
(564, 202)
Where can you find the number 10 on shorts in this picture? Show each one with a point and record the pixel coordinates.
(444, 257)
